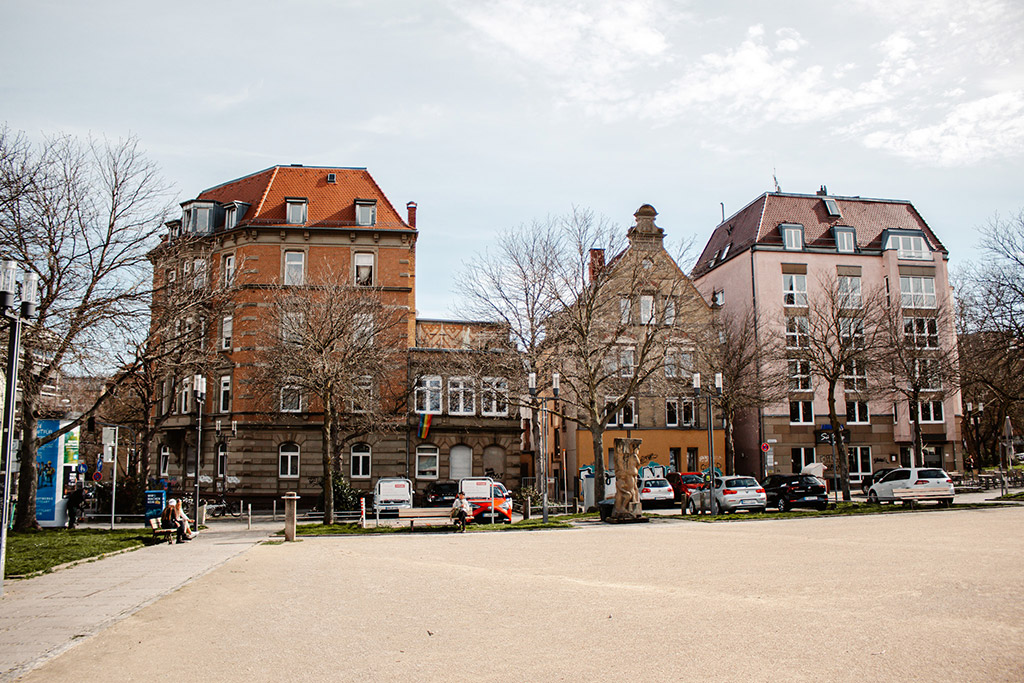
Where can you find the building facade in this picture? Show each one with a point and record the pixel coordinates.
(770, 257)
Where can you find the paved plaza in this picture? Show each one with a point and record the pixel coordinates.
(932, 596)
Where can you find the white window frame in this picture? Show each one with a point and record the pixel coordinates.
(165, 460)
(669, 307)
(425, 452)
(362, 386)
(295, 211)
(361, 453)
(805, 407)
(910, 247)
(800, 375)
(921, 332)
(366, 212)
(627, 362)
(230, 213)
(624, 310)
(688, 412)
(860, 414)
(427, 395)
(224, 394)
(227, 325)
(628, 409)
(931, 410)
(672, 363)
(930, 378)
(288, 460)
(851, 332)
(362, 329)
(294, 274)
(494, 397)
(646, 309)
(846, 240)
(222, 460)
(291, 391)
(292, 324)
(917, 291)
(794, 290)
(199, 273)
(671, 412)
(363, 260)
(849, 291)
(461, 396)
(185, 396)
(792, 237)
(855, 376)
(228, 263)
(797, 332)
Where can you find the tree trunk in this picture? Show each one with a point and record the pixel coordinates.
(915, 416)
(597, 438)
(25, 519)
(840, 444)
(730, 446)
(328, 450)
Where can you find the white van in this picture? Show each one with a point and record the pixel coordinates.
(392, 494)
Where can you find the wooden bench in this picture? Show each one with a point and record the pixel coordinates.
(412, 514)
(160, 533)
(912, 496)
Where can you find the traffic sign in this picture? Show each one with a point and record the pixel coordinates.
(99, 465)
(765, 447)
(82, 468)
(97, 476)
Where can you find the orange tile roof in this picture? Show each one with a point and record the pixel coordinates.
(329, 204)
(758, 222)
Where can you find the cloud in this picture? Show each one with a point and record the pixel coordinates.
(222, 101)
(971, 132)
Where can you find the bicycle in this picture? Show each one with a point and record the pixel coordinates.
(222, 506)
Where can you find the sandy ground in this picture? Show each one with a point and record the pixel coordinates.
(886, 597)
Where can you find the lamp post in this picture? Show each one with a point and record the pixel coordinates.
(711, 436)
(199, 387)
(542, 445)
(15, 314)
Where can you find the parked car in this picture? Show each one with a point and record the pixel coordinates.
(684, 483)
(441, 494)
(785, 491)
(730, 494)
(927, 483)
(494, 510)
(870, 479)
(655, 491)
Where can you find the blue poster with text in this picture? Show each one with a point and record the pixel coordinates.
(48, 461)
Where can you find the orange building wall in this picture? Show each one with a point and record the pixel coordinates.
(656, 443)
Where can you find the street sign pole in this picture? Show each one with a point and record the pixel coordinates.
(110, 454)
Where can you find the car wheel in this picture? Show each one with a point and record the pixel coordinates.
(873, 498)
(946, 502)
(783, 505)
(691, 508)
(821, 507)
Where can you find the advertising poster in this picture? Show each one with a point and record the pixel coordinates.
(48, 463)
(71, 447)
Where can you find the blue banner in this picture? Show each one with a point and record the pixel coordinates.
(156, 501)
(48, 461)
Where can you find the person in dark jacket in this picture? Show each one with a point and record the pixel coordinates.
(76, 500)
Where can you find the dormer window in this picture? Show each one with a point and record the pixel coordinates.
(846, 240)
(230, 217)
(366, 211)
(296, 210)
(792, 237)
(909, 246)
(831, 207)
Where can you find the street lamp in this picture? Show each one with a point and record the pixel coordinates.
(199, 387)
(974, 420)
(15, 315)
(711, 436)
(555, 381)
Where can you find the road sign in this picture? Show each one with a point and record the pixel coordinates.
(82, 468)
(97, 476)
(765, 447)
(99, 465)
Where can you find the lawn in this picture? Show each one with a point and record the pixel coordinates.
(39, 551)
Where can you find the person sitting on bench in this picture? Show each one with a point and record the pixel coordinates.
(169, 520)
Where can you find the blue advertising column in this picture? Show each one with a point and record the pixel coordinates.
(156, 501)
(49, 461)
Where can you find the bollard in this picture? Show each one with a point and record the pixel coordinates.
(250, 516)
(526, 508)
(290, 501)
(275, 511)
(201, 520)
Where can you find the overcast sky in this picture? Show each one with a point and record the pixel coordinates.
(491, 114)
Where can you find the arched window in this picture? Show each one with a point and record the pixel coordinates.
(361, 461)
(460, 462)
(288, 461)
(426, 462)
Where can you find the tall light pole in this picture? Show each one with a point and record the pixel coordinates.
(14, 314)
(199, 387)
(711, 435)
(542, 445)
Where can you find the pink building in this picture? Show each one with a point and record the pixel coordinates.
(770, 255)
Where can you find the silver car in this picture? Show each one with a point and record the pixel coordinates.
(731, 494)
(913, 483)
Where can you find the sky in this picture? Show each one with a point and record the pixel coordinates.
(492, 114)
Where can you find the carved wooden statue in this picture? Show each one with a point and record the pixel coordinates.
(627, 466)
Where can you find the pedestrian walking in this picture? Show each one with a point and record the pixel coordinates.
(76, 499)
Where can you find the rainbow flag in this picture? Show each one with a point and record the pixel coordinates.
(425, 425)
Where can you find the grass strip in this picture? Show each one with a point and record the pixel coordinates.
(34, 552)
(356, 530)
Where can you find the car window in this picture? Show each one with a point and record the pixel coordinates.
(808, 480)
(931, 474)
(897, 474)
(691, 479)
(738, 483)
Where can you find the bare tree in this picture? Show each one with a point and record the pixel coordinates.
(82, 215)
(836, 335)
(339, 344)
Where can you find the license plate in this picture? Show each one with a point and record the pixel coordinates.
(749, 501)
(809, 498)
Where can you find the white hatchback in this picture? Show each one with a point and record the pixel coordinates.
(656, 491)
(913, 483)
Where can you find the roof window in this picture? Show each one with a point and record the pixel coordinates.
(366, 211)
(296, 210)
(831, 207)
(332, 178)
(792, 237)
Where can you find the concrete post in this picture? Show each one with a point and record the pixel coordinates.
(290, 501)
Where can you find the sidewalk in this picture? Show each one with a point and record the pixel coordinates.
(46, 615)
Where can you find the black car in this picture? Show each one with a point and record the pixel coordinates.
(785, 491)
(441, 494)
(877, 475)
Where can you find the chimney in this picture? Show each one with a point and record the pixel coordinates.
(596, 262)
(411, 208)
(823, 192)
